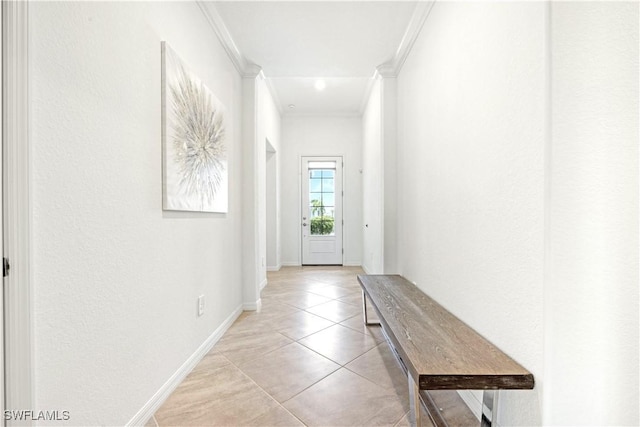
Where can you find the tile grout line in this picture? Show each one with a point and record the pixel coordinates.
(305, 309)
(265, 391)
(335, 361)
(362, 376)
(311, 385)
(319, 330)
(263, 354)
(320, 354)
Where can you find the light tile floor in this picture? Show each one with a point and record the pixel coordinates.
(305, 359)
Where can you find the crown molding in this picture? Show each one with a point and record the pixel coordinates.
(392, 67)
(246, 68)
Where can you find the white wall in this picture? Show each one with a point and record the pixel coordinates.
(372, 183)
(321, 136)
(591, 301)
(272, 211)
(252, 144)
(379, 178)
(390, 180)
(471, 114)
(518, 179)
(269, 179)
(260, 123)
(115, 278)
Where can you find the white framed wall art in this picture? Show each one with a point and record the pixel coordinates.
(194, 146)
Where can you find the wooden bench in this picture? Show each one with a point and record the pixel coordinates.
(436, 349)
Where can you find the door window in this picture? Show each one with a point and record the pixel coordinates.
(322, 199)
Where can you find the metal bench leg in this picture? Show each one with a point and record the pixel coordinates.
(364, 310)
(414, 402)
(489, 408)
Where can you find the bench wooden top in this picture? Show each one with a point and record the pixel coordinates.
(439, 350)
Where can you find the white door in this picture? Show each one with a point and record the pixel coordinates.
(322, 211)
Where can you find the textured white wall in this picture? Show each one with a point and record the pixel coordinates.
(471, 115)
(321, 136)
(372, 183)
(115, 278)
(591, 302)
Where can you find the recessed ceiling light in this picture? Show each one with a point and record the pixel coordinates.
(292, 106)
(320, 85)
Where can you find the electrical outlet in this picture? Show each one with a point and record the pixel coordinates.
(200, 305)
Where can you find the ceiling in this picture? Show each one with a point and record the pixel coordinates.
(298, 42)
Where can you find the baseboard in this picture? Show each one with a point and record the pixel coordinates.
(252, 306)
(150, 408)
(471, 400)
(364, 268)
(263, 284)
(352, 264)
(291, 264)
(274, 268)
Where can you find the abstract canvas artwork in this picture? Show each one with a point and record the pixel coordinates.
(195, 176)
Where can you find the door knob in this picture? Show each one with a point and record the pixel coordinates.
(304, 224)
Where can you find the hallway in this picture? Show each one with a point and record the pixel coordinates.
(304, 358)
(488, 153)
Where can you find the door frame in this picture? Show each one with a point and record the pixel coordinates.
(2, 350)
(16, 216)
(300, 198)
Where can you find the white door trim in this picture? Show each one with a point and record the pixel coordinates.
(17, 207)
